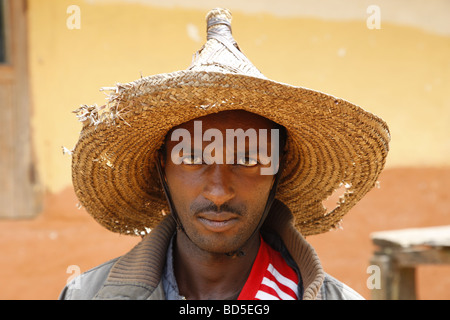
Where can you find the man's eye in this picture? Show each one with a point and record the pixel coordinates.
(247, 161)
(191, 159)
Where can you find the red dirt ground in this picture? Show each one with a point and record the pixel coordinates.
(37, 255)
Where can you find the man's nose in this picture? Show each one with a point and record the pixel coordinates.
(218, 185)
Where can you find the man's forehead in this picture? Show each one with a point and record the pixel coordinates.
(230, 119)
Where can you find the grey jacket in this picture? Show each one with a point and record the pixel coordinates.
(137, 275)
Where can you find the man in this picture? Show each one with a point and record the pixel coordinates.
(223, 173)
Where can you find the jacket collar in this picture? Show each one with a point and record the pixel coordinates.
(137, 274)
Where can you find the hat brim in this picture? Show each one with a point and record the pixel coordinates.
(330, 142)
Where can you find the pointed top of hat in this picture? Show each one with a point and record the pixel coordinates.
(221, 52)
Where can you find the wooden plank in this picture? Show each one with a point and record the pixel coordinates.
(7, 73)
(20, 194)
(384, 263)
(417, 256)
(7, 30)
(404, 283)
(6, 151)
(433, 236)
(401, 251)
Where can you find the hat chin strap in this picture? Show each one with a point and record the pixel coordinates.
(163, 179)
(239, 252)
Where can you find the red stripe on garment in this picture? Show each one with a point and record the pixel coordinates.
(270, 278)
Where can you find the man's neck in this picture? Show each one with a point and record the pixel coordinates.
(203, 275)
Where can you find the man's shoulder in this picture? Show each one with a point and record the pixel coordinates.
(86, 285)
(333, 289)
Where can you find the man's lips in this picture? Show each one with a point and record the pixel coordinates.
(217, 222)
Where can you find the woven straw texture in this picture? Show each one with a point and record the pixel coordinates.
(331, 142)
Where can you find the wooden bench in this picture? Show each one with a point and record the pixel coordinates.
(400, 252)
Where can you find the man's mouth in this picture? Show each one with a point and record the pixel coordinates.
(217, 222)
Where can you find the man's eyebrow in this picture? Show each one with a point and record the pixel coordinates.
(246, 152)
(193, 150)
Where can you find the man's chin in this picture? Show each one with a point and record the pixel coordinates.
(218, 244)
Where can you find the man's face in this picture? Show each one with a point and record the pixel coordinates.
(219, 203)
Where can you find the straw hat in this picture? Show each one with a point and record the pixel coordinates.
(331, 142)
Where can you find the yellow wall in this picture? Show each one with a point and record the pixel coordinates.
(401, 73)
